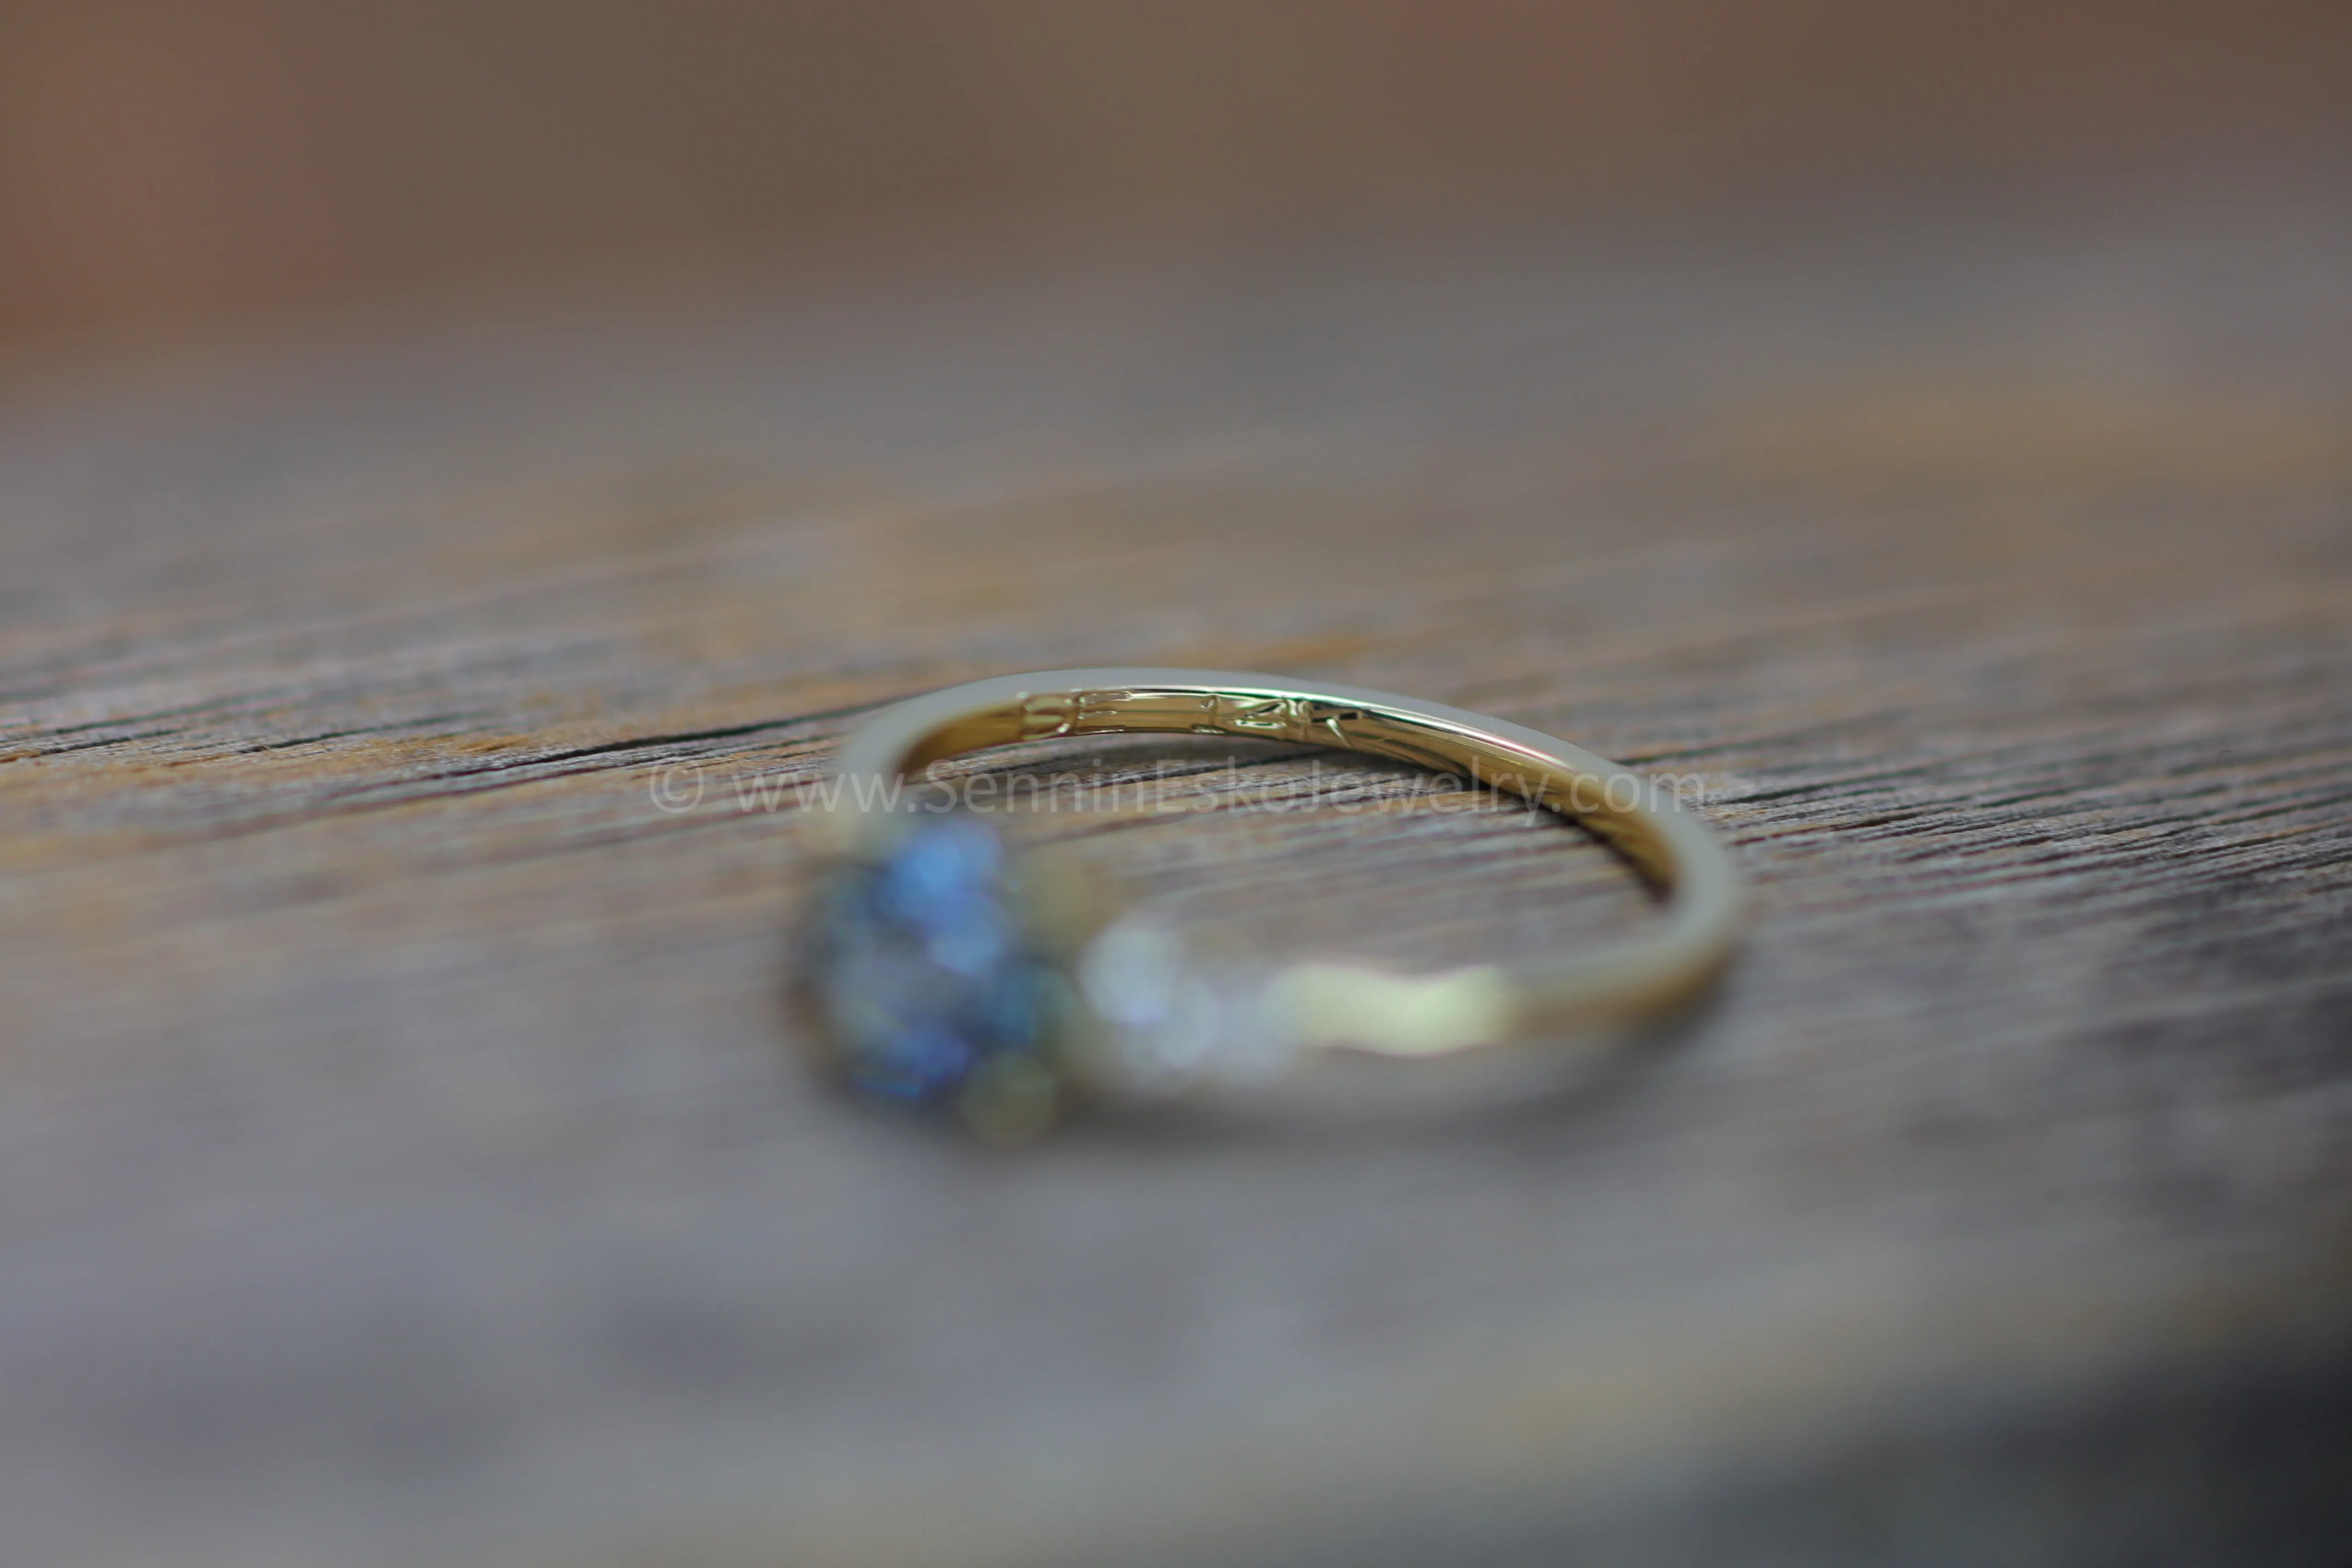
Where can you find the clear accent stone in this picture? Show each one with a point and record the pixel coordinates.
(1176, 1022)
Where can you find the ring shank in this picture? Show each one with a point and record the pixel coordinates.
(1341, 1004)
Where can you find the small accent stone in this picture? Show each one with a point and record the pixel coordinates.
(921, 971)
(1176, 1023)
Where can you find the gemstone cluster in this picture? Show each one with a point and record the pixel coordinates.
(933, 985)
(928, 985)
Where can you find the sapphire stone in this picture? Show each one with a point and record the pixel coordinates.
(919, 966)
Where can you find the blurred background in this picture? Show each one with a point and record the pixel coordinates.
(1924, 420)
(169, 169)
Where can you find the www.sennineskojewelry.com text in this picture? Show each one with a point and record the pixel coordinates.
(677, 788)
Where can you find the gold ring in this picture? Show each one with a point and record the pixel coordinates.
(940, 970)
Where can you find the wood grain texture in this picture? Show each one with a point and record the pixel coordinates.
(402, 1158)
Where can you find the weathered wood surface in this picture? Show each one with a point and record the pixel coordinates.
(402, 1158)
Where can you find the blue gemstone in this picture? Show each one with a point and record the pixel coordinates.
(919, 966)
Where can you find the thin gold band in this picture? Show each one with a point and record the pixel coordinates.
(1333, 1005)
